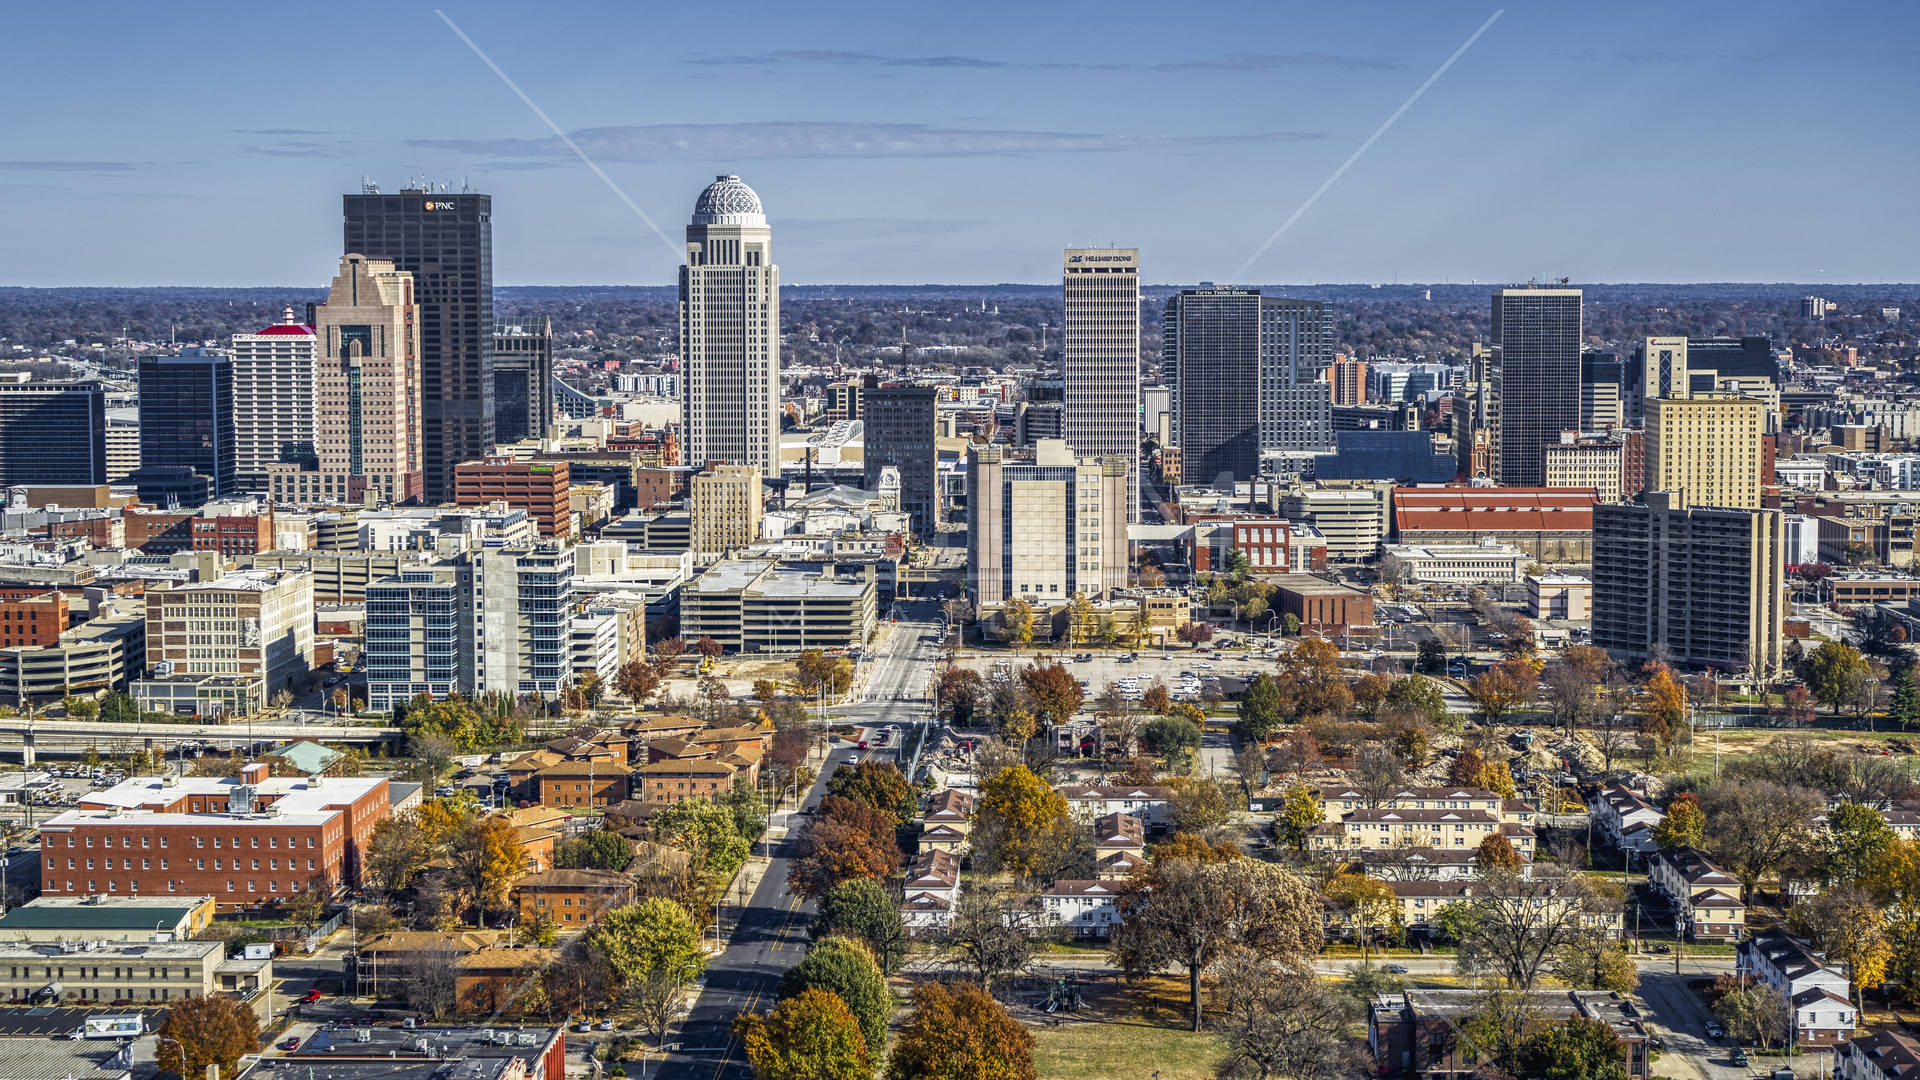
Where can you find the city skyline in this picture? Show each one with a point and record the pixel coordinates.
(915, 145)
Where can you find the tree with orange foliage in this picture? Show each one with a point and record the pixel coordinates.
(845, 840)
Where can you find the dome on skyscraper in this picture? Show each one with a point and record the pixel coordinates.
(727, 201)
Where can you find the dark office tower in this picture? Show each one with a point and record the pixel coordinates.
(522, 379)
(446, 242)
(1296, 401)
(899, 424)
(1535, 376)
(52, 433)
(1212, 344)
(186, 416)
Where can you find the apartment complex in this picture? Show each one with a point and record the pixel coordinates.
(419, 637)
(273, 405)
(524, 601)
(1692, 584)
(245, 840)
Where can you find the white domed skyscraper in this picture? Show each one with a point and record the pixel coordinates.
(730, 332)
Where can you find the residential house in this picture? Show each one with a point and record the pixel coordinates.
(571, 899)
(930, 891)
(1116, 834)
(1705, 896)
(1086, 909)
(1417, 1032)
(1089, 802)
(673, 779)
(1883, 1054)
(1120, 866)
(1337, 801)
(1625, 818)
(1816, 990)
(490, 981)
(540, 830)
(1422, 901)
(385, 963)
(947, 822)
(582, 783)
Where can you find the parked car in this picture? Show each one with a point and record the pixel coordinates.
(310, 996)
(290, 1044)
(1715, 1031)
(1739, 1058)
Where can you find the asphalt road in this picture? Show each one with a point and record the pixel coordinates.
(771, 933)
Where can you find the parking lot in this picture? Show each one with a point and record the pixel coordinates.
(1153, 665)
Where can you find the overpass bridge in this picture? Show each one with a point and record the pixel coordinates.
(29, 739)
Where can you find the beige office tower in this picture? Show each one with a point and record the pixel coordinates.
(725, 505)
(1046, 529)
(1705, 449)
(272, 399)
(730, 332)
(1663, 370)
(1101, 353)
(367, 385)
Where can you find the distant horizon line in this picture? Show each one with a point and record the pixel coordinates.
(1055, 284)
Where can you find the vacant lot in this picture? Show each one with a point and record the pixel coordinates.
(1139, 1027)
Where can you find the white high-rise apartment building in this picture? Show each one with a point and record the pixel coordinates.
(730, 332)
(1101, 350)
(272, 398)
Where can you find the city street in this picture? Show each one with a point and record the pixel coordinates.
(771, 932)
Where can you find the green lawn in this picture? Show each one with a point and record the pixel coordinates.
(1098, 1050)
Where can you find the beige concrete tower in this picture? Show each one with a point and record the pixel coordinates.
(367, 384)
(1705, 449)
(1101, 354)
(730, 332)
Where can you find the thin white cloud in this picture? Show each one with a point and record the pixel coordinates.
(831, 139)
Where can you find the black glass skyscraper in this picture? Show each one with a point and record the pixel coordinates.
(53, 433)
(1211, 348)
(522, 379)
(186, 416)
(446, 242)
(899, 423)
(1535, 375)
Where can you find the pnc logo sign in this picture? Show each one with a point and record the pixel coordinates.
(439, 205)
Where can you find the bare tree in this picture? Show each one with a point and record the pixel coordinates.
(1376, 775)
(998, 931)
(1281, 1024)
(1518, 923)
(428, 986)
(1754, 826)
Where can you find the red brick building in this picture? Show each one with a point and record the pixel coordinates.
(1322, 606)
(541, 489)
(246, 841)
(581, 783)
(34, 621)
(166, 534)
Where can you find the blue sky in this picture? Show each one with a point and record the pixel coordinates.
(969, 142)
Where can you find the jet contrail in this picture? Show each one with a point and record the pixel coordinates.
(1351, 158)
(563, 136)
